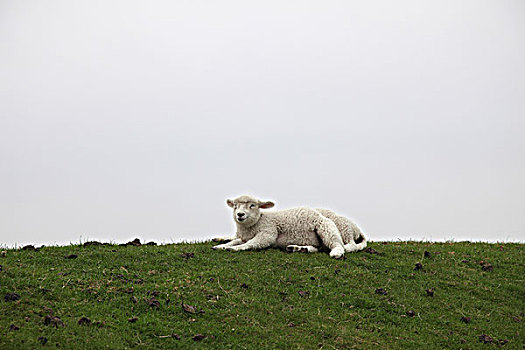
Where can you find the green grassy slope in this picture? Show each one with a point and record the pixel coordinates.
(134, 297)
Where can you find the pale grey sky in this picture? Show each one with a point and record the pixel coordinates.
(123, 119)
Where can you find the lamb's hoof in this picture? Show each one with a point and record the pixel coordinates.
(292, 248)
(337, 252)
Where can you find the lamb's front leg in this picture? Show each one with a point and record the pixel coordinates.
(232, 243)
(260, 241)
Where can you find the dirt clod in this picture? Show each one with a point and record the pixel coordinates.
(198, 337)
(133, 319)
(151, 243)
(50, 320)
(244, 285)
(304, 293)
(430, 292)
(191, 309)
(92, 243)
(29, 247)
(154, 303)
(411, 313)
(419, 266)
(486, 339)
(188, 255)
(427, 254)
(371, 251)
(13, 327)
(42, 340)
(381, 291)
(71, 256)
(291, 324)
(84, 321)
(487, 267)
(11, 297)
(135, 242)
(465, 319)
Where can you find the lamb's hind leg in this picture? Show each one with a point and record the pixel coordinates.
(331, 237)
(292, 248)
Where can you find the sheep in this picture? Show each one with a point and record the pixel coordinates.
(295, 230)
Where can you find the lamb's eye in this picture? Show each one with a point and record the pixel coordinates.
(252, 206)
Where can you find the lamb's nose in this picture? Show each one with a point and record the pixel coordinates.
(240, 215)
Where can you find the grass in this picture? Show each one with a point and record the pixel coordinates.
(264, 299)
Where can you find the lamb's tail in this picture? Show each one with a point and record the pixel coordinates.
(358, 244)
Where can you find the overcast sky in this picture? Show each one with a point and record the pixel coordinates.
(124, 119)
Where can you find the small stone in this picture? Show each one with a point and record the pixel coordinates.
(419, 266)
(410, 313)
(4, 253)
(430, 292)
(427, 254)
(133, 319)
(291, 324)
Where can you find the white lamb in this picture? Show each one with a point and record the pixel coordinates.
(297, 229)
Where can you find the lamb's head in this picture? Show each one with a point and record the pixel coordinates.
(247, 210)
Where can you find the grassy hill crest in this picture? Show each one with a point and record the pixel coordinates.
(394, 295)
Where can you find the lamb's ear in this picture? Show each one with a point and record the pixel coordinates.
(266, 205)
(230, 203)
